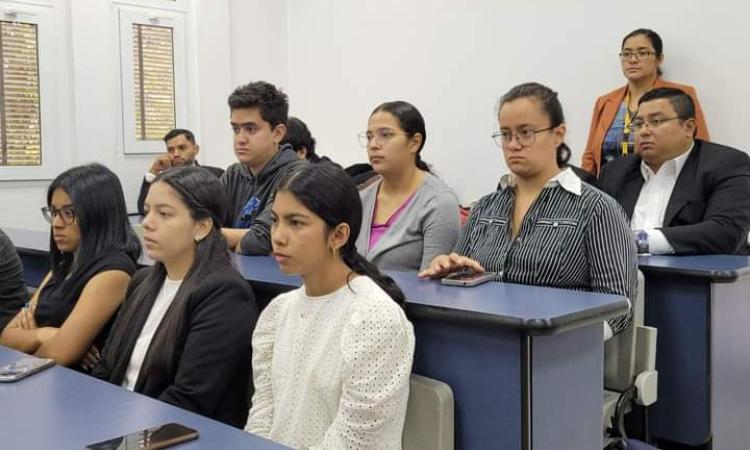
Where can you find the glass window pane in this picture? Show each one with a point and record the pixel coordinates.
(20, 124)
(153, 81)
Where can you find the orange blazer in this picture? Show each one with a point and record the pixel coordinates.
(605, 111)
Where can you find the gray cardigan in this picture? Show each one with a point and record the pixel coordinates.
(429, 226)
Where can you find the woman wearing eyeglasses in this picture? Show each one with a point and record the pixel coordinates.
(93, 252)
(544, 226)
(409, 215)
(610, 135)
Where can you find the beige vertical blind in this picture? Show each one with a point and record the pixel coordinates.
(153, 81)
(20, 125)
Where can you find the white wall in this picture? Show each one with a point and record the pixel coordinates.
(454, 59)
(259, 42)
(337, 60)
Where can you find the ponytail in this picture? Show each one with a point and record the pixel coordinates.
(563, 155)
(421, 165)
(362, 266)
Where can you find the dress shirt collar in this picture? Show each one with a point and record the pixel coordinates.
(673, 166)
(566, 179)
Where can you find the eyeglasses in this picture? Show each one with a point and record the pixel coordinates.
(639, 55)
(639, 124)
(524, 136)
(66, 213)
(380, 137)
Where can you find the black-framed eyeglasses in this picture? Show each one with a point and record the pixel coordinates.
(525, 136)
(639, 124)
(66, 213)
(639, 55)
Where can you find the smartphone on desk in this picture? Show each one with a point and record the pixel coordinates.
(152, 438)
(467, 279)
(23, 368)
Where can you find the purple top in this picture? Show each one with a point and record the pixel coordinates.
(378, 229)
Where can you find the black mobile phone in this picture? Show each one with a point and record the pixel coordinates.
(23, 368)
(464, 279)
(152, 438)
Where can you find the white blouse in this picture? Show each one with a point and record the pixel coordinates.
(161, 304)
(332, 372)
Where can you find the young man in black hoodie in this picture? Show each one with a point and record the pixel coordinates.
(258, 115)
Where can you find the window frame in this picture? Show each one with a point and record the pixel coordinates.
(127, 17)
(50, 56)
(168, 5)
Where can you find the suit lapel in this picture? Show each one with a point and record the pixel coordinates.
(683, 186)
(631, 188)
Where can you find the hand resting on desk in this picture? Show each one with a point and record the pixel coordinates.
(444, 265)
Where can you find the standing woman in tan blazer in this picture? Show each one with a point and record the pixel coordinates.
(610, 135)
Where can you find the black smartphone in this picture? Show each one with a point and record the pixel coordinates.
(152, 438)
(467, 279)
(23, 368)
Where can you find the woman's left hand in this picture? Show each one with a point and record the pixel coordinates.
(26, 320)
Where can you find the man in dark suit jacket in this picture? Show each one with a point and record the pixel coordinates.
(683, 195)
(181, 151)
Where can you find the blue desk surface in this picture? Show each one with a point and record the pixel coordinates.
(539, 310)
(63, 409)
(714, 267)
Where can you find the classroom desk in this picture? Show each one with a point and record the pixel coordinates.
(63, 409)
(518, 358)
(524, 362)
(701, 307)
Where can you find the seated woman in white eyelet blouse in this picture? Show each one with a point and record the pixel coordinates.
(332, 359)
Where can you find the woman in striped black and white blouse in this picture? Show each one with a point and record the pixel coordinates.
(543, 226)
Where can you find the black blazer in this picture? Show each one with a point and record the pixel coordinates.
(709, 210)
(212, 358)
(144, 186)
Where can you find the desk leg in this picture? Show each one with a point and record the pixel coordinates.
(679, 308)
(482, 366)
(567, 389)
(730, 364)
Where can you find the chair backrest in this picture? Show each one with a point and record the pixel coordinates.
(429, 415)
(620, 351)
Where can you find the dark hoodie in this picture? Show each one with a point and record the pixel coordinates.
(251, 197)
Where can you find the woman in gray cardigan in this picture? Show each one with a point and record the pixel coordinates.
(409, 215)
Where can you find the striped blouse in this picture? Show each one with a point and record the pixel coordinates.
(573, 237)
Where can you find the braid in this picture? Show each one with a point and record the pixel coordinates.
(361, 266)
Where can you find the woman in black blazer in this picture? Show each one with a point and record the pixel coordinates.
(183, 334)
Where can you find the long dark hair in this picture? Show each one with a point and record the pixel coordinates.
(99, 206)
(550, 105)
(204, 196)
(326, 190)
(411, 121)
